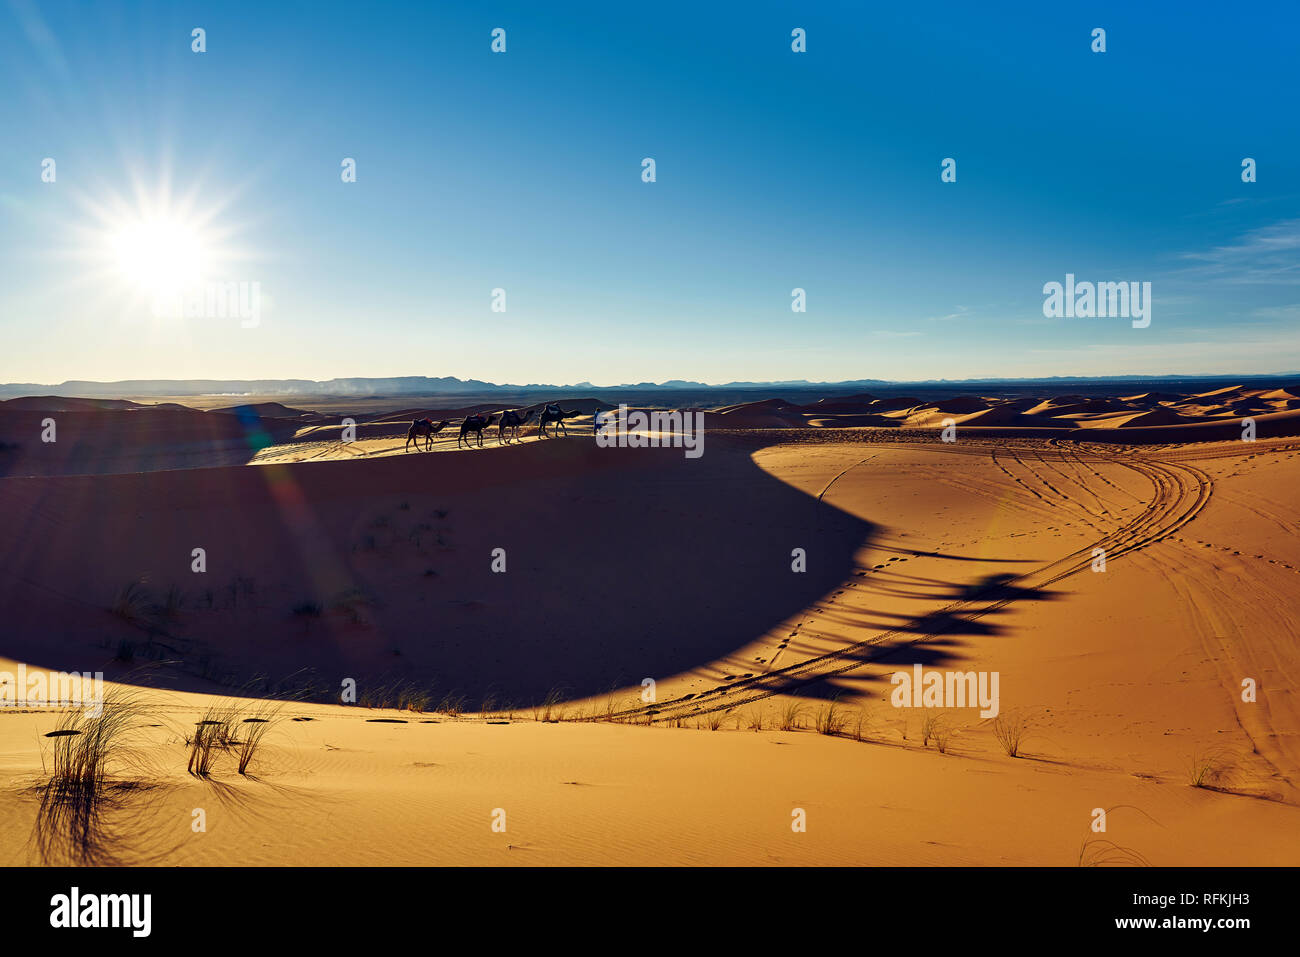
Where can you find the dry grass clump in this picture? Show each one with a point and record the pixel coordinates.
(791, 718)
(229, 728)
(91, 753)
(1208, 770)
(214, 733)
(860, 724)
(549, 710)
(938, 729)
(1010, 729)
(84, 744)
(402, 696)
(1103, 852)
(714, 719)
(1100, 852)
(135, 604)
(256, 724)
(831, 718)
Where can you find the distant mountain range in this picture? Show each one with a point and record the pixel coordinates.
(450, 385)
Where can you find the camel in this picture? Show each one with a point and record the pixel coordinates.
(475, 424)
(425, 428)
(552, 413)
(511, 421)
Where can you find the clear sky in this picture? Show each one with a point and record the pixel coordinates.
(522, 171)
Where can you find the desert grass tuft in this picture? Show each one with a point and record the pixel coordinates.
(84, 744)
(214, 733)
(547, 710)
(929, 723)
(1100, 852)
(1009, 729)
(90, 753)
(831, 718)
(1208, 770)
(256, 723)
(792, 716)
(860, 723)
(452, 704)
(942, 733)
(134, 604)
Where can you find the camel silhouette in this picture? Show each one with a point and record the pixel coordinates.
(475, 424)
(426, 428)
(511, 421)
(552, 413)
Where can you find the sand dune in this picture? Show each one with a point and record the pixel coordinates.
(974, 556)
(327, 562)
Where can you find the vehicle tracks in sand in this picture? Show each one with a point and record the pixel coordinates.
(1179, 492)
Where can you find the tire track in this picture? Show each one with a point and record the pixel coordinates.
(1179, 492)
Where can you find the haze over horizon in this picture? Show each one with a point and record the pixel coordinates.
(451, 385)
(522, 171)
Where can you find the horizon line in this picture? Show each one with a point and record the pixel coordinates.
(665, 384)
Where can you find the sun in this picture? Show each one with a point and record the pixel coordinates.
(158, 256)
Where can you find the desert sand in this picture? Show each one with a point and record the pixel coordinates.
(486, 696)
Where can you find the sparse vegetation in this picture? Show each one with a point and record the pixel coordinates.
(90, 753)
(255, 726)
(84, 744)
(942, 733)
(1009, 729)
(831, 718)
(860, 724)
(1207, 770)
(214, 733)
(1100, 852)
(546, 711)
(134, 604)
(929, 723)
(452, 704)
(792, 715)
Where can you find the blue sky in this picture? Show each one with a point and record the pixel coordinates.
(775, 170)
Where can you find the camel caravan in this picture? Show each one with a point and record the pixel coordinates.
(509, 424)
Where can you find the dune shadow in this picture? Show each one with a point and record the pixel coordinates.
(500, 576)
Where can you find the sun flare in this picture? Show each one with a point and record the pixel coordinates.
(158, 256)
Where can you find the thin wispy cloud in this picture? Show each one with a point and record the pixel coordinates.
(1269, 254)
